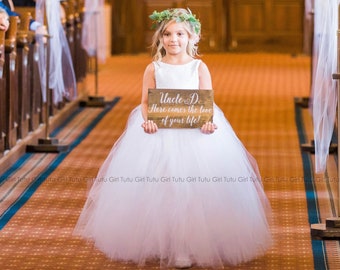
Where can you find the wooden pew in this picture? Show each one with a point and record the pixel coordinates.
(73, 25)
(21, 108)
(11, 90)
(35, 91)
(81, 58)
(69, 25)
(23, 71)
(35, 106)
(2, 93)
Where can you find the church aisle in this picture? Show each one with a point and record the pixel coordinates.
(255, 91)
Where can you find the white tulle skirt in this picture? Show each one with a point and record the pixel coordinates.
(178, 193)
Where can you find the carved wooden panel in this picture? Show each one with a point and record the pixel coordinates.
(128, 24)
(131, 26)
(266, 25)
(212, 16)
(244, 25)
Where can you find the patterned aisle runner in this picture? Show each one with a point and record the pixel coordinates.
(20, 181)
(321, 192)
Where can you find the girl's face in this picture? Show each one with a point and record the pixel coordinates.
(175, 39)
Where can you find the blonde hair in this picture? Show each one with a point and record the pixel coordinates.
(179, 15)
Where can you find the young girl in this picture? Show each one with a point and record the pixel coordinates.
(182, 196)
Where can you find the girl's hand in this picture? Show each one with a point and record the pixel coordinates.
(149, 127)
(208, 128)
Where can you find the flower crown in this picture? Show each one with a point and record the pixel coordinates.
(172, 14)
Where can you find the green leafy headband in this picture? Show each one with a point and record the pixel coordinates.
(172, 14)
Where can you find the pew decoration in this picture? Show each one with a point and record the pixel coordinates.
(91, 39)
(2, 92)
(61, 76)
(56, 69)
(11, 97)
(326, 105)
(47, 144)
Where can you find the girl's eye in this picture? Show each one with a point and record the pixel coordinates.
(166, 34)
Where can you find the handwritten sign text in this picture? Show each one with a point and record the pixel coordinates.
(180, 108)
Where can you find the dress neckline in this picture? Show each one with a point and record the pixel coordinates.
(192, 61)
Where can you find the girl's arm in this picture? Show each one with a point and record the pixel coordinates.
(206, 84)
(148, 82)
(204, 77)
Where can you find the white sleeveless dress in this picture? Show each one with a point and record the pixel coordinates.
(178, 192)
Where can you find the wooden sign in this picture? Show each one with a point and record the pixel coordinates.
(180, 108)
